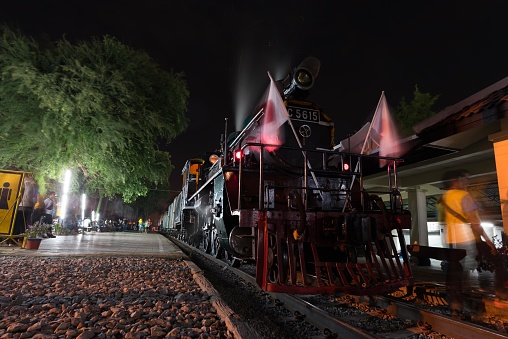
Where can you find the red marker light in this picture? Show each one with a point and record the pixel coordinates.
(238, 155)
(345, 167)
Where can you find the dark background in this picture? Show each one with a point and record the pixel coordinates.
(224, 48)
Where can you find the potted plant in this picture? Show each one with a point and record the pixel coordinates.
(58, 229)
(33, 235)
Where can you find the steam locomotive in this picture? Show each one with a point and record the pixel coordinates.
(298, 209)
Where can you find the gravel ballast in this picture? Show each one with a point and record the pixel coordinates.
(104, 297)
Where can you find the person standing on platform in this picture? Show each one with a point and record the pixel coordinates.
(39, 209)
(49, 213)
(26, 206)
(463, 231)
(140, 225)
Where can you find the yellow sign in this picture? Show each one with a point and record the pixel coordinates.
(10, 196)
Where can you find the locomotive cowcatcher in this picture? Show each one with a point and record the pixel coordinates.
(296, 208)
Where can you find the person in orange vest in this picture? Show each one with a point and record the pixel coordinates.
(463, 231)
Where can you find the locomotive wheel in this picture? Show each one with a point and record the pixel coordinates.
(207, 241)
(273, 261)
(181, 237)
(216, 249)
(196, 239)
(212, 245)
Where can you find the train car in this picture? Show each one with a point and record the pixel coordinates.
(296, 209)
(180, 217)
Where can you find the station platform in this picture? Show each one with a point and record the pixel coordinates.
(157, 245)
(478, 290)
(101, 244)
(435, 273)
(476, 281)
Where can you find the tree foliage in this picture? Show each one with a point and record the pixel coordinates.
(98, 107)
(410, 113)
(154, 201)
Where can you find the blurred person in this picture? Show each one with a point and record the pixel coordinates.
(49, 204)
(39, 208)
(87, 225)
(140, 225)
(148, 225)
(26, 205)
(463, 231)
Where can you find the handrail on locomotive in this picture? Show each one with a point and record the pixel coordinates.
(395, 198)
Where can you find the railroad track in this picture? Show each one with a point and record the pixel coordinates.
(365, 317)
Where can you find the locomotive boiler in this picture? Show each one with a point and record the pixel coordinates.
(294, 205)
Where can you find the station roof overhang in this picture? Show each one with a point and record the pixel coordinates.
(455, 138)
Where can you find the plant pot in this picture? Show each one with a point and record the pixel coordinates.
(32, 243)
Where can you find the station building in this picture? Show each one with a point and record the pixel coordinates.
(471, 134)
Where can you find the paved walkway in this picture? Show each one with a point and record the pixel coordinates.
(102, 244)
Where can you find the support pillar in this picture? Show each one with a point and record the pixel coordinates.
(500, 141)
(417, 204)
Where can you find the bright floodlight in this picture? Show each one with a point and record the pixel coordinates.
(83, 207)
(67, 181)
(65, 197)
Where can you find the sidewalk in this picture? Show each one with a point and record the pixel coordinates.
(102, 244)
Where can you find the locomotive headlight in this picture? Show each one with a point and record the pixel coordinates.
(299, 83)
(304, 79)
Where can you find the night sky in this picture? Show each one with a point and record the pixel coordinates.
(225, 48)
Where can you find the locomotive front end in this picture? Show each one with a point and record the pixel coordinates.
(293, 205)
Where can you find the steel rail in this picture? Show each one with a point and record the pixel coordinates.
(321, 319)
(448, 326)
